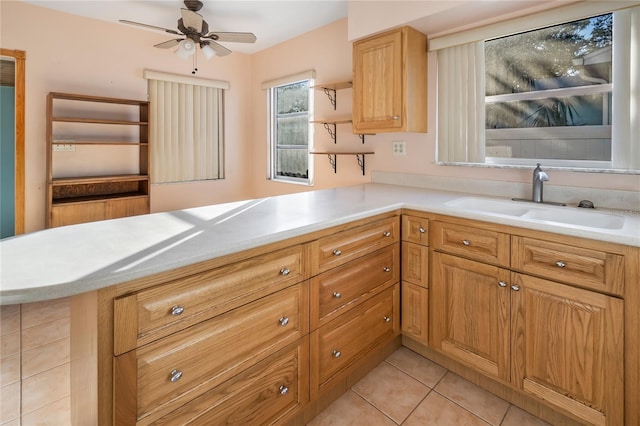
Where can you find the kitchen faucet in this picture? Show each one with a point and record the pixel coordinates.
(539, 177)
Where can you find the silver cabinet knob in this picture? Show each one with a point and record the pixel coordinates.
(422, 230)
(337, 295)
(175, 375)
(285, 271)
(395, 117)
(386, 269)
(283, 321)
(386, 233)
(466, 242)
(336, 353)
(283, 390)
(337, 252)
(560, 264)
(177, 310)
(387, 319)
(515, 287)
(502, 284)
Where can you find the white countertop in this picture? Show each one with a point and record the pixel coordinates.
(75, 259)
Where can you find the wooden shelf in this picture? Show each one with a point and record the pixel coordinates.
(338, 85)
(98, 198)
(97, 142)
(97, 121)
(98, 99)
(333, 158)
(98, 179)
(334, 121)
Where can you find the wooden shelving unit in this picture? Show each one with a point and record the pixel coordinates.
(77, 197)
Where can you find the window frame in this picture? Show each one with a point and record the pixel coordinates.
(272, 142)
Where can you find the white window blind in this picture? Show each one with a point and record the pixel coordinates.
(187, 128)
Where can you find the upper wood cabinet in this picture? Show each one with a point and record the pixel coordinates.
(390, 82)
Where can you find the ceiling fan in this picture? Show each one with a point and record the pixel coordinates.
(193, 30)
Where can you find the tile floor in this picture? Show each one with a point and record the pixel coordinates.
(408, 389)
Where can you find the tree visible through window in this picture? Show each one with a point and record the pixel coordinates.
(290, 131)
(549, 92)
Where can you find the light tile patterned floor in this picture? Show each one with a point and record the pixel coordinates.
(409, 390)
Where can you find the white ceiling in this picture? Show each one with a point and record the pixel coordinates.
(272, 21)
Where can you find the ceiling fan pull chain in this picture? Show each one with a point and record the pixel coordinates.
(195, 63)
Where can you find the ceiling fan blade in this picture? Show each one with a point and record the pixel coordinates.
(153, 27)
(191, 19)
(219, 49)
(233, 37)
(169, 43)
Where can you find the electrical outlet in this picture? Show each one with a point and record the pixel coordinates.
(64, 147)
(399, 148)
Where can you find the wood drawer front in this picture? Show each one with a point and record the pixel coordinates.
(471, 242)
(202, 296)
(415, 264)
(341, 342)
(347, 245)
(415, 312)
(209, 353)
(261, 395)
(339, 289)
(587, 268)
(415, 230)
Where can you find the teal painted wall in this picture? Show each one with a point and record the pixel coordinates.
(7, 161)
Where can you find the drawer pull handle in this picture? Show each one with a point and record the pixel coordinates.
(175, 375)
(387, 319)
(396, 117)
(336, 353)
(502, 284)
(284, 321)
(285, 271)
(386, 269)
(337, 295)
(466, 242)
(386, 233)
(422, 230)
(177, 310)
(283, 390)
(515, 287)
(560, 264)
(337, 252)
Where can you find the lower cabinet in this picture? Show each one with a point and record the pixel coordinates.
(414, 309)
(556, 342)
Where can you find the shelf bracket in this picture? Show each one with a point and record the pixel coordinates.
(361, 137)
(331, 128)
(360, 158)
(332, 95)
(333, 160)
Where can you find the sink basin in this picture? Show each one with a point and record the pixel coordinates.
(571, 216)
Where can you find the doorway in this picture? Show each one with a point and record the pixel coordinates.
(12, 154)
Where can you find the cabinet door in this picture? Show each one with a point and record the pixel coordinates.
(567, 348)
(415, 230)
(415, 310)
(377, 83)
(469, 313)
(415, 264)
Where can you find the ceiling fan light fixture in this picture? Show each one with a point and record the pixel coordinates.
(186, 48)
(207, 50)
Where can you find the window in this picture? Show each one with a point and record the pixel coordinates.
(566, 94)
(290, 131)
(187, 128)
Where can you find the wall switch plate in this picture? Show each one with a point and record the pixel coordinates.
(64, 147)
(399, 148)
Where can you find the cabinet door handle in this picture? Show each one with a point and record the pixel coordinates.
(387, 319)
(515, 287)
(396, 117)
(560, 264)
(466, 242)
(422, 230)
(386, 269)
(337, 252)
(177, 310)
(337, 295)
(285, 271)
(386, 233)
(336, 353)
(502, 284)
(175, 375)
(283, 321)
(283, 390)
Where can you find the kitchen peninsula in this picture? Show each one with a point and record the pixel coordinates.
(119, 272)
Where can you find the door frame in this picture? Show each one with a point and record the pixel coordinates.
(20, 57)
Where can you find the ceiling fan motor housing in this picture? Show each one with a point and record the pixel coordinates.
(193, 5)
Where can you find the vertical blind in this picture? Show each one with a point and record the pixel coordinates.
(187, 129)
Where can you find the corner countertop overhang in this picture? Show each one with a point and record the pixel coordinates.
(75, 259)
